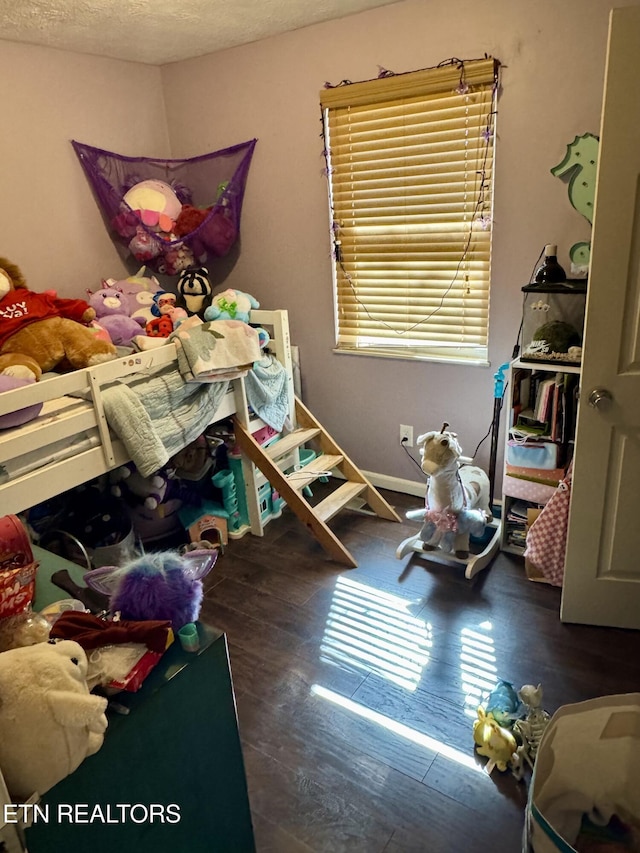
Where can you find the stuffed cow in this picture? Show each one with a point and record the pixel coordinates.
(49, 722)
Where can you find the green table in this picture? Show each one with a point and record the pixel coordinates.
(178, 746)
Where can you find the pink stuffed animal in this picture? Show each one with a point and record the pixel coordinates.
(143, 246)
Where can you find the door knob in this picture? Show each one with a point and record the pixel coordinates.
(598, 397)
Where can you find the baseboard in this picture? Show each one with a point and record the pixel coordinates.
(396, 484)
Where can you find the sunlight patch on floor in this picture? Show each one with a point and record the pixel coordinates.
(371, 630)
(397, 728)
(477, 666)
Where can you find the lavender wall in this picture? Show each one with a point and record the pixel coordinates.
(553, 56)
(50, 224)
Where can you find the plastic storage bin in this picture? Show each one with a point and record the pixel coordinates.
(553, 322)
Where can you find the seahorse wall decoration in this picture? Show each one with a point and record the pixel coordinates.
(579, 166)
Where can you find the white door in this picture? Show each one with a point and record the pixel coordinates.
(602, 573)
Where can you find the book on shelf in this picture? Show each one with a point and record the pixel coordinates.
(556, 408)
(527, 422)
(518, 521)
(544, 398)
(517, 538)
(548, 413)
(520, 395)
(518, 511)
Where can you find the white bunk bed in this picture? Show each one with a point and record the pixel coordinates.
(71, 441)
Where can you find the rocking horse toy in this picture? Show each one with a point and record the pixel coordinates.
(457, 506)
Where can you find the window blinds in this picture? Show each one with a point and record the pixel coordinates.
(410, 165)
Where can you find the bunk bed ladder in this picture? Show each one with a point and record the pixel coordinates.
(291, 485)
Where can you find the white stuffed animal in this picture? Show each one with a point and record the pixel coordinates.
(49, 722)
(457, 500)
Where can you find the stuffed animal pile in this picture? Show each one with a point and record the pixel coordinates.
(42, 331)
(159, 228)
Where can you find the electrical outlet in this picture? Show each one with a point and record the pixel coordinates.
(406, 435)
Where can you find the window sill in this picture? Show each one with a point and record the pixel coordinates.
(438, 359)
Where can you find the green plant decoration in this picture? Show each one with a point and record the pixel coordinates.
(579, 166)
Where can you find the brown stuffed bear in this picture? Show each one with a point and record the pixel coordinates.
(40, 331)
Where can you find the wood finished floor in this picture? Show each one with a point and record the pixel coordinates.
(351, 686)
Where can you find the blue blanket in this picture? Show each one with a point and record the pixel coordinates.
(158, 415)
(266, 387)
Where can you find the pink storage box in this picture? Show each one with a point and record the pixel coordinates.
(265, 434)
(527, 490)
(549, 477)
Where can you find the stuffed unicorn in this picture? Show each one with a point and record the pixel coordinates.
(457, 499)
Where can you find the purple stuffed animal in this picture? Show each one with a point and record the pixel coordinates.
(158, 586)
(112, 313)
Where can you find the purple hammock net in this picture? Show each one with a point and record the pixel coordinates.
(170, 214)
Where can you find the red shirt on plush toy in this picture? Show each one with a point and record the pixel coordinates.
(40, 331)
(20, 307)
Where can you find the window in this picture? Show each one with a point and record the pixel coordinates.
(410, 170)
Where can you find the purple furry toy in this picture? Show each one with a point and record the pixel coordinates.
(157, 586)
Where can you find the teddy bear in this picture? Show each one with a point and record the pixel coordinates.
(113, 314)
(231, 305)
(40, 331)
(49, 721)
(441, 528)
(162, 585)
(175, 257)
(189, 221)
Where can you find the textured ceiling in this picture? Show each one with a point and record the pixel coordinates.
(161, 31)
